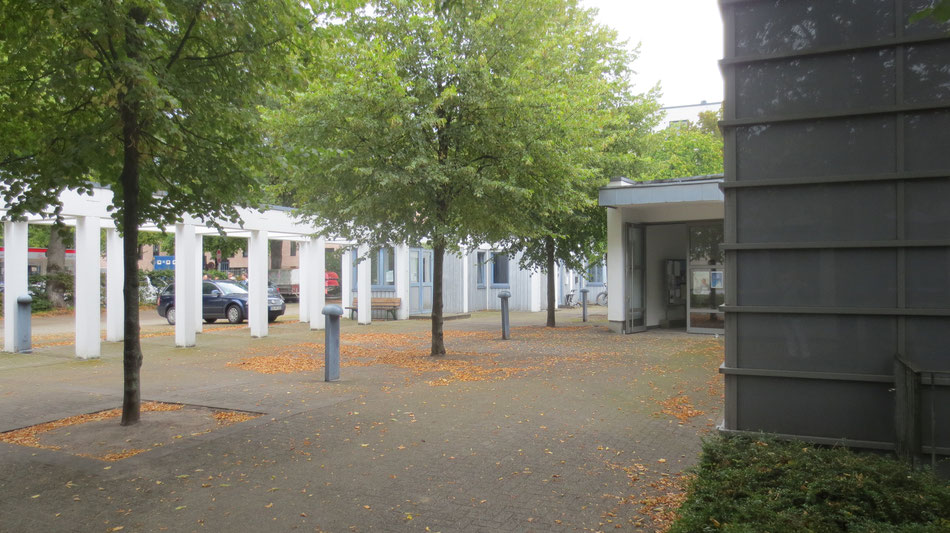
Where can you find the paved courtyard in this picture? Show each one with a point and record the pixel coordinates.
(571, 429)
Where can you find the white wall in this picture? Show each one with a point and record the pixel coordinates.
(668, 241)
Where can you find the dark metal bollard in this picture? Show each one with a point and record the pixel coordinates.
(331, 357)
(21, 337)
(584, 292)
(505, 323)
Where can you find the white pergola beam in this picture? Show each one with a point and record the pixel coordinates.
(535, 305)
(318, 282)
(466, 260)
(88, 292)
(364, 288)
(185, 289)
(257, 283)
(615, 265)
(115, 279)
(305, 275)
(15, 276)
(346, 277)
(198, 273)
(402, 280)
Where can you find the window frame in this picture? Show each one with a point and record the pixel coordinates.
(377, 261)
(480, 270)
(506, 284)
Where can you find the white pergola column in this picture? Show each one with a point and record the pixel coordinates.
(466, 283)
(318, 282)
(346, 278)
(257, 283)
(115, 279)
(305, 273)
(557, 284)
(199, 277)
(15, 276)
(186, 288)
(615, 269)
(535, 280)
(402, 280)
(364, 288)
(88, 289)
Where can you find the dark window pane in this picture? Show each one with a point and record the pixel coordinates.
(705, 245)
(500, 269)
(824, 148)
(815, 84)
(790, 25)
(817, 343)
(818, 278)
(841, 212)
(839, 409)
(926, 140)
(928, 216)
(927, 26)
(928, 277)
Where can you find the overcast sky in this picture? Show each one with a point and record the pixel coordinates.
(680, 45)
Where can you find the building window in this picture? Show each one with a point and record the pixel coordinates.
(595, 274)
(156, 250)
(382, 270)
(480, 270)
(243, 253)
(499, 271)
(293, 248)
(140, 251)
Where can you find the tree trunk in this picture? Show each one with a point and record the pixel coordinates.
(276, 254)
(56, 266)
(552, 299)
(131, 159)
(438, 259)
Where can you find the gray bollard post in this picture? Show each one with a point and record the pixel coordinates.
(331, 354)
(22, 339)
(505, 323)
(584, 292)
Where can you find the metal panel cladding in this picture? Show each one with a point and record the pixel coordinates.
(837, 230)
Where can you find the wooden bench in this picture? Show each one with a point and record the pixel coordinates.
(389, 305)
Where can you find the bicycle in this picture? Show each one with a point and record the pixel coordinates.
(602, 297)
(571, 299)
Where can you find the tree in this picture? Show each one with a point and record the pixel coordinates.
(144, 97)
(578, 238)
(442, 120)
(59, 236)
(939, 11)
(683, 150)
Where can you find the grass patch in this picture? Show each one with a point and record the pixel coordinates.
(763, 485)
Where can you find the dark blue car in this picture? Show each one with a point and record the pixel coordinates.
(221, 299)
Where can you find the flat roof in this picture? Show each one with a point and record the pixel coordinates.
(625, 192)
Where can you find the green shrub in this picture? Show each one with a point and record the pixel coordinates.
(764, 485)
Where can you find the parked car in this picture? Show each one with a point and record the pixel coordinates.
(221, 299)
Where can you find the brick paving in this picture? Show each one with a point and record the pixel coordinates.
(587, 425)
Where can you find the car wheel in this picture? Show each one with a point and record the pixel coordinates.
(272, 318)
(234, 314)
(210, 320)
(170, 315)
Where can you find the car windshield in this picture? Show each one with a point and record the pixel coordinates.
(230, 287)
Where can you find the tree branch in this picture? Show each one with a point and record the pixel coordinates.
(181, 45)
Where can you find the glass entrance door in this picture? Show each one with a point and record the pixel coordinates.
(635, 301)
(707, 291)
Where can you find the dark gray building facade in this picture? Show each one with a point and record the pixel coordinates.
(837, 220)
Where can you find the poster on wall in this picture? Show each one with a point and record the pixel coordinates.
(701, 282)
(715, 281)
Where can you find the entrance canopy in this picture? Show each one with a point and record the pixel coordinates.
(664, 264)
